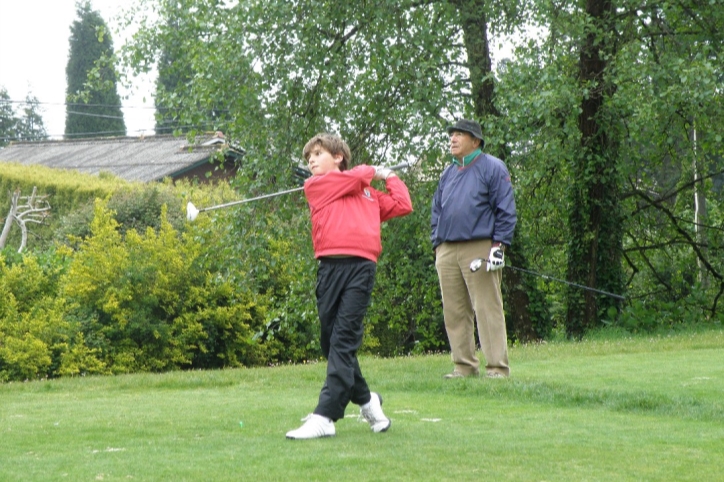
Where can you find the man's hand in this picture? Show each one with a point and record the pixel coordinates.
(382, 173)
(496, 260)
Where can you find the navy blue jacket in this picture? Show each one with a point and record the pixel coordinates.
(474, 202)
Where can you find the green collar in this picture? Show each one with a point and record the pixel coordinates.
(467, 159)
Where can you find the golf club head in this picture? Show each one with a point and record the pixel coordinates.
(476, 264)
(191, 212)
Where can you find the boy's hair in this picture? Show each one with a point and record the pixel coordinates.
(332, 144)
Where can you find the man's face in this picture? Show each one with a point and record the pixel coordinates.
(321, 161)
(462, 144)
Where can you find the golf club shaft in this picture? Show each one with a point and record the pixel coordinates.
(397, 167)
(265, 196)
(234, 203)
(545, 276)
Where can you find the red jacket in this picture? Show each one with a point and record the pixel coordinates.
(347, 212)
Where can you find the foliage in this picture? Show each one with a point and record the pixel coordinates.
(141, 302)
(124, 303)
(311, 78)
(136, 207)
(174, 71)
(68, 192)
(33, 332)
(95, 106)
(28, 127)
(266, 248)
(406, 311)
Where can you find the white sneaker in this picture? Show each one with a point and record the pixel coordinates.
(315, 426)
(372, 412)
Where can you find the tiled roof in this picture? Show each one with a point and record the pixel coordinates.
(143, 159)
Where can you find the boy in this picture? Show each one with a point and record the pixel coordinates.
(346, 214)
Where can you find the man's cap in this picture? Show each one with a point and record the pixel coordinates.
(469, 126)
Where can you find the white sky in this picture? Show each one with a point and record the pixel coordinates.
(34, 44)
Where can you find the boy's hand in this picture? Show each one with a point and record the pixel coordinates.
(382, 173)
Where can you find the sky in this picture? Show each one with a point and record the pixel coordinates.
(34, 44)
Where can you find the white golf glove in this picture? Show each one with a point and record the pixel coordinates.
(382, 173)
(496, 260)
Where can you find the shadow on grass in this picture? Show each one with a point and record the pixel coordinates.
(638, 402)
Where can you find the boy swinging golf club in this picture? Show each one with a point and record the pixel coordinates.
(346, 215)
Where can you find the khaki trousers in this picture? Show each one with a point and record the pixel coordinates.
(467, 296)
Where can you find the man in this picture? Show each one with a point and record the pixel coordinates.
(473, 216)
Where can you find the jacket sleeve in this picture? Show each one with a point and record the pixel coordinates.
(396, 202)
(322, 190)
(436, 209)
(503, 203)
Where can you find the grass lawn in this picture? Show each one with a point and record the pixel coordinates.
(641, 408)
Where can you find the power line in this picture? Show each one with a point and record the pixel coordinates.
(88, 114)
(110, 133)
(67, 104)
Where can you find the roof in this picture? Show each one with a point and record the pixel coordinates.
(144, 159)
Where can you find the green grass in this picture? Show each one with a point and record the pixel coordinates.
(607, 409)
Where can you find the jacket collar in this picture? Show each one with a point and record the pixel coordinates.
(467, 159)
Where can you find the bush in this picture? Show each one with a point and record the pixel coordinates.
(135, 207)
(143, 304)
(68, 190)
(228, 323)
(406, 311)
(33, 332)
(266, 248)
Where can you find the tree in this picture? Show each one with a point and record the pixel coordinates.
(94, 106)
(8, 121)
(589, 116)
(528, 316)
(379, 73)
(595, 240)
(614, 86)
(35, 210)
(173, 71)
(31, 126)
(28, 127)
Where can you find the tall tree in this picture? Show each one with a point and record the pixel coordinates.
(8, 120)
(93, 103)
(28, 126)
(174, 72)
(528, 314)
(595, 238)
(31, 126)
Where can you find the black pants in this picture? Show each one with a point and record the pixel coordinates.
(344, 288)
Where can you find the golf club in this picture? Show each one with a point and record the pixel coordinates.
(192, 211)
(477, 263)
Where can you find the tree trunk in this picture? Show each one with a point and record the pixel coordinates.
(699, 210)
(594, 250)
(9, 220)
(527, 317)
